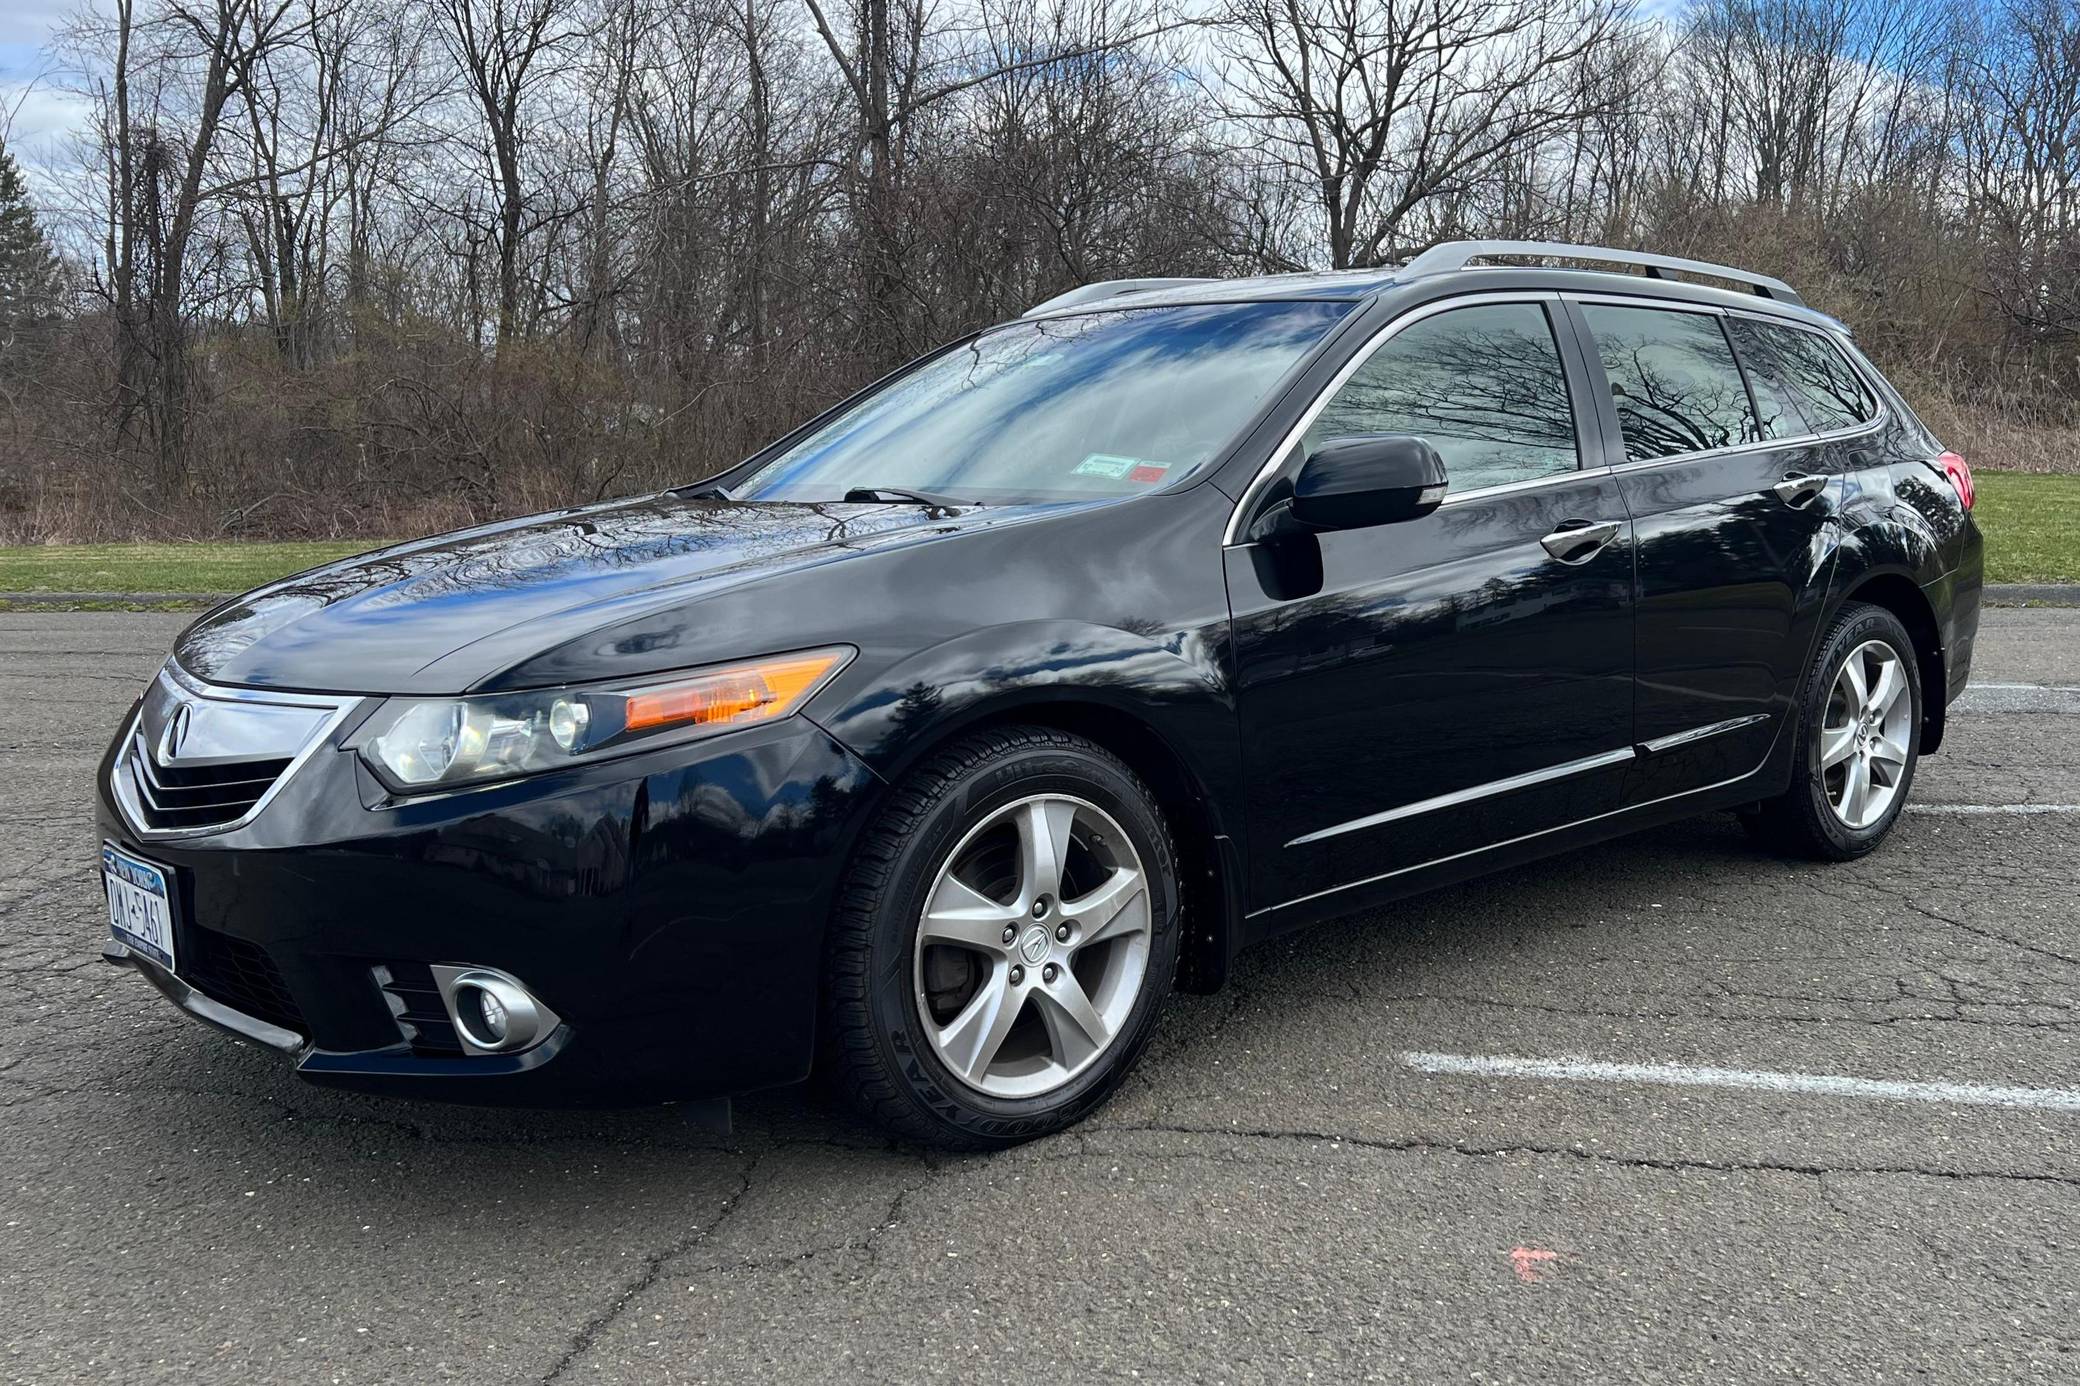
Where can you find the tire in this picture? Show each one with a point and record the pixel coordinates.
(1819, 816)
(909, 1021)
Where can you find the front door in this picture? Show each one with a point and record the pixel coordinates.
(1420, 690)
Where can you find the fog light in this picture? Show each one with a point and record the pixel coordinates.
(491, 1011)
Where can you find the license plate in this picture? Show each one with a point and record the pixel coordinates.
(140, 905)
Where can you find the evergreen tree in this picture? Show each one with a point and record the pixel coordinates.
(28, 267)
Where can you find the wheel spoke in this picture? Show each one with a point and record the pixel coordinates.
(1885, 692)
(1857, 692)
(1043, 847)
(1116, 908)
(1855, 788)
(1837, 744)
(1075, 1030)
(960, 914)
(971, 1040)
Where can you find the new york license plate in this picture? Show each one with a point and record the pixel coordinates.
(140, 905)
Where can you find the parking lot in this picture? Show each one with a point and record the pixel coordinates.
(1663, 1110)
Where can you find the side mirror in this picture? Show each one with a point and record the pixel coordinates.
(1355, 483)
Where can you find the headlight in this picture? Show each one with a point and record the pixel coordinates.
(417, 744)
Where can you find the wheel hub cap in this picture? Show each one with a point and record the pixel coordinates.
(1866, 735)
(1032, 946)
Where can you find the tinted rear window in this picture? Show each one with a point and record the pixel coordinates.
(1807, 373)
(1673, 379)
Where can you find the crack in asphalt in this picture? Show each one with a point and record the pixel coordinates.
(653, 1267)
(1420, 1145)
(657, 1263)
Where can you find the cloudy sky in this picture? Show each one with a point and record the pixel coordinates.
(43, 113)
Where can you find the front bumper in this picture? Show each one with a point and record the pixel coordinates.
(668, 907)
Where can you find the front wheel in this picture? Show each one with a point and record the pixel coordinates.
(1005, 939)
(1859, 734)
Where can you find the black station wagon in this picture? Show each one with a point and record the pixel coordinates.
(934, 745)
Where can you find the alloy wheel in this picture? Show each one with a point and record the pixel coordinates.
(1866, 734)
(1032, 945)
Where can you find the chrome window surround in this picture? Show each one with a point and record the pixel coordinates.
(337, 708)
(1232, 536)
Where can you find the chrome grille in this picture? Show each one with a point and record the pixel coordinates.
(201, 758)
(200, 796)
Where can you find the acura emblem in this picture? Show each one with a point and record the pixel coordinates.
(176, 732)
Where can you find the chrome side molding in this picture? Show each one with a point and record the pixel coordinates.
(1457, 797)
(1562, 771)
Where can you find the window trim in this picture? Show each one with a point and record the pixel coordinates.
(1547, 299)
(1877, 422)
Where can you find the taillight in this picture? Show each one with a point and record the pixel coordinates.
(1960, 474)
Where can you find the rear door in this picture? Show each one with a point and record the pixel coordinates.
(1421, 690)
(1731, 505)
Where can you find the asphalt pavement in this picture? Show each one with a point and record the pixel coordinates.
(1665, 1110)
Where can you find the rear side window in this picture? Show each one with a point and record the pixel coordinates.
(1673, 379)
(1483, 385)
(1808, 372)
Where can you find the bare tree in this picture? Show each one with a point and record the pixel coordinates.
(506, 50)
(1375, 112)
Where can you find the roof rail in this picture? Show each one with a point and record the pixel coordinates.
(1453, 255)
(1109, 288)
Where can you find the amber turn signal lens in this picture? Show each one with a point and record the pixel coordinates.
(737, 696)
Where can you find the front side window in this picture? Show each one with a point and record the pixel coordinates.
(1673, 379)
(1099, 404)
(1483, 385)
(1808, 371)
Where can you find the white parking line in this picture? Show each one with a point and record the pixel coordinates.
(2024, 809)
(2032, 687)
(1759, 1080)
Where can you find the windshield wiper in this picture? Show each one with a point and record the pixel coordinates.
(930, 499)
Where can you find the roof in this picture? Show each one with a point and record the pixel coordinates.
(1453, 259)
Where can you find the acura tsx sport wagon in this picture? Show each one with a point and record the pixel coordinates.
(935, 745)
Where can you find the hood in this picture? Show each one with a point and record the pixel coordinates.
(377, 623)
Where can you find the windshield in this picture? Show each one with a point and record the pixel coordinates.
(1100, 404)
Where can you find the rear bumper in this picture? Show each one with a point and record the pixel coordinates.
(1957, 598)
(669, 909)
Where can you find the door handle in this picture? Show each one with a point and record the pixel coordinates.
(1578, 541)
(1799, 487)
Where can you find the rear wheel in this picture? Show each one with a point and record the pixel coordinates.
(1005, 940)
(1859, 741)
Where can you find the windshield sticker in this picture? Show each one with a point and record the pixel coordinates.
(1148, 472)
(1104, 464)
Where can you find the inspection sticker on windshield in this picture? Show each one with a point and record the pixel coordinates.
(1104, 464)
(1121, 468)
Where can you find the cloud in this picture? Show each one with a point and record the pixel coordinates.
(28, 23)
